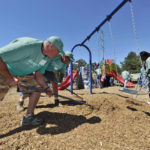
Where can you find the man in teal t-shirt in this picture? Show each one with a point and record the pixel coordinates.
(28, 57)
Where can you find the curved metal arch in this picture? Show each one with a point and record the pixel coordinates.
(90, 64)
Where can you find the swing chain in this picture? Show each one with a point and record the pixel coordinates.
(102, 42)
(134, 26)
(113, 45)
(98, 47)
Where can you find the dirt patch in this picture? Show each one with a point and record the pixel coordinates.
(111, 120)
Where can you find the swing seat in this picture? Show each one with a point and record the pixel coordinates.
(128, 91)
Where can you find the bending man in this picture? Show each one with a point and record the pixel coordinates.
(25, 60)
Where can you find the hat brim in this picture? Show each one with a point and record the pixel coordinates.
(72, 59)
(61, 52)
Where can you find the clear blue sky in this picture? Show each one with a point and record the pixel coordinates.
(73, 21)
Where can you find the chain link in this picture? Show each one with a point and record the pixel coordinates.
(134, 26)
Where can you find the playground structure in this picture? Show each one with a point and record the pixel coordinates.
(108, 18)
(108, 71)
(112, 73)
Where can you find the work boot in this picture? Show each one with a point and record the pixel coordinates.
(56, 102)
(20, 107)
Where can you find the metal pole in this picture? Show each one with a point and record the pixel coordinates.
(35, 89)
(106, 19)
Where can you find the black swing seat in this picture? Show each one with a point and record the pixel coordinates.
(128, 91)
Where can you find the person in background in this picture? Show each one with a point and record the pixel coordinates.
(126, 77)
(98, 77)
(111, 81)
(59, 66)
(145, 57)
(21, 101)
(24, 61)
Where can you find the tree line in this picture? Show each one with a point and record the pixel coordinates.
(131, 63)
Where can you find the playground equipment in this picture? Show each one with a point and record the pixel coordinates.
(142, 83)
(108, 71)
(107, 67)
(108, 18)
(137, 46)
(90, 67)
(88, 37)
(119, 78)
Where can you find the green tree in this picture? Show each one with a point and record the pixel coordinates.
(81, 62)
(116, 68)
(131, 63)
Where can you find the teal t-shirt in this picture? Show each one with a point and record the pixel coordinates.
(125, 75)
(24, 56)
(57, 65)
(148, 65)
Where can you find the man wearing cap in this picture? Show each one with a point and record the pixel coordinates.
(25, 60)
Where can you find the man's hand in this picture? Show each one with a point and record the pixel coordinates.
(49, 91)
(13, 82)
(146, 74)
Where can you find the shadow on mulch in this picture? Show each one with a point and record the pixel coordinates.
(109, 93)
(133, 102)
(131, 108)
(134, 109)
(147, 113)
(63, 103)
(61, 123)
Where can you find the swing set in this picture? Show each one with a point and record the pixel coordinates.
(108, 18)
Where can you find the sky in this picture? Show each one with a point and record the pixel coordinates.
(74, 20)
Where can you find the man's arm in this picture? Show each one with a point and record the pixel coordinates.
(10, 80)
(41, 81)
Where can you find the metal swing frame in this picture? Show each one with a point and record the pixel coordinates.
(108, 18)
